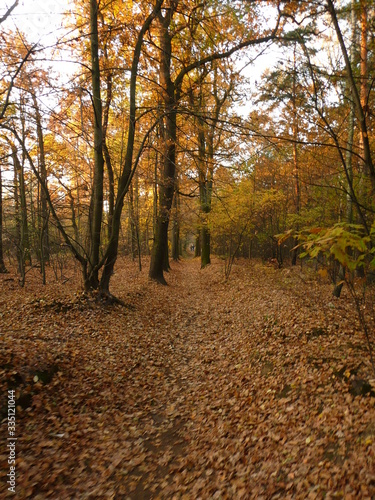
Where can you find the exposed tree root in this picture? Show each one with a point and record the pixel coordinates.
(107, 299)
(160, 280)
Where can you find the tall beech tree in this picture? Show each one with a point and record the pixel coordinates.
(128, 169)
(43, 213)
(96, 208)
(168, 91)
(214, 93)
(171, 94)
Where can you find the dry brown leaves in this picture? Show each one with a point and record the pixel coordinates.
(202, 389)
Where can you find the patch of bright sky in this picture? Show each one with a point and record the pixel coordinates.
(40, 20)
(42, 23)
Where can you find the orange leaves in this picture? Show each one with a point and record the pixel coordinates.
(230, 390)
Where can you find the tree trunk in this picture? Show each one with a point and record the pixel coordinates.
(364, 55)
(43, 213)
(137, 222)
(74, 218)
(21, 206)
(176, 227)
(205, 205)
(133, 229)
(166, 265)
(160, 247)
(197, 252)
(205, 246)
(97, 192)
(297, 190)
(155, 198)
(206, 136)
(360, 110)
(126, 175)
(18, 236)
(3, 269)
(107, 156)
(349, 157)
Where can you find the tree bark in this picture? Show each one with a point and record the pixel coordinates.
(297, 190)
(360, 111)
(176, 227)
(206, 136)
(349, 156)
(133, 229)
(24, 242)
(160, 247)
(43, 213)
(110, 256)
(97, 193)
(204, 196)
(156, 197)
(107, 156)
(197, 251)
(3, 269)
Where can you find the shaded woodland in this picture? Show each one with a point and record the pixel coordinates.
(187, 249)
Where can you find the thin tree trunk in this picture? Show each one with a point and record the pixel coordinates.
(126, 175)
(206, 136)
(74, 218)
(297, 190)
(25, 238)
(155, 200)
(42, 259)
(3, 269)
(176, 227)
(203, 197)
(197, 252)
(137, 222)
(107, 156)
(360, 111)
(97, 194)
(24, 241)
(18, 236)
(349, 156)
(364, 55)
(43, 218)
(133, 235)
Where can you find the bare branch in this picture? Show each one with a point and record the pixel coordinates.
(9, 11)
(11, 84)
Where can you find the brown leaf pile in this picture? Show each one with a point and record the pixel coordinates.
(199, 390)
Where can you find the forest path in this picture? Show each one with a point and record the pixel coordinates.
(203, 329)
(201, 389)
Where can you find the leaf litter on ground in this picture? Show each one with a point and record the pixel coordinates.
(205, 388)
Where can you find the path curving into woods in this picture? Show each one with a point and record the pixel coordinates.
(201, 389)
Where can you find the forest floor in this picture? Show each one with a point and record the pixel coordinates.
(204, 389)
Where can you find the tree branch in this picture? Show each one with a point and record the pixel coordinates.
(9, 11)
(6, 102)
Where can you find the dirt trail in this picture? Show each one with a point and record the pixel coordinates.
(202, 389)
